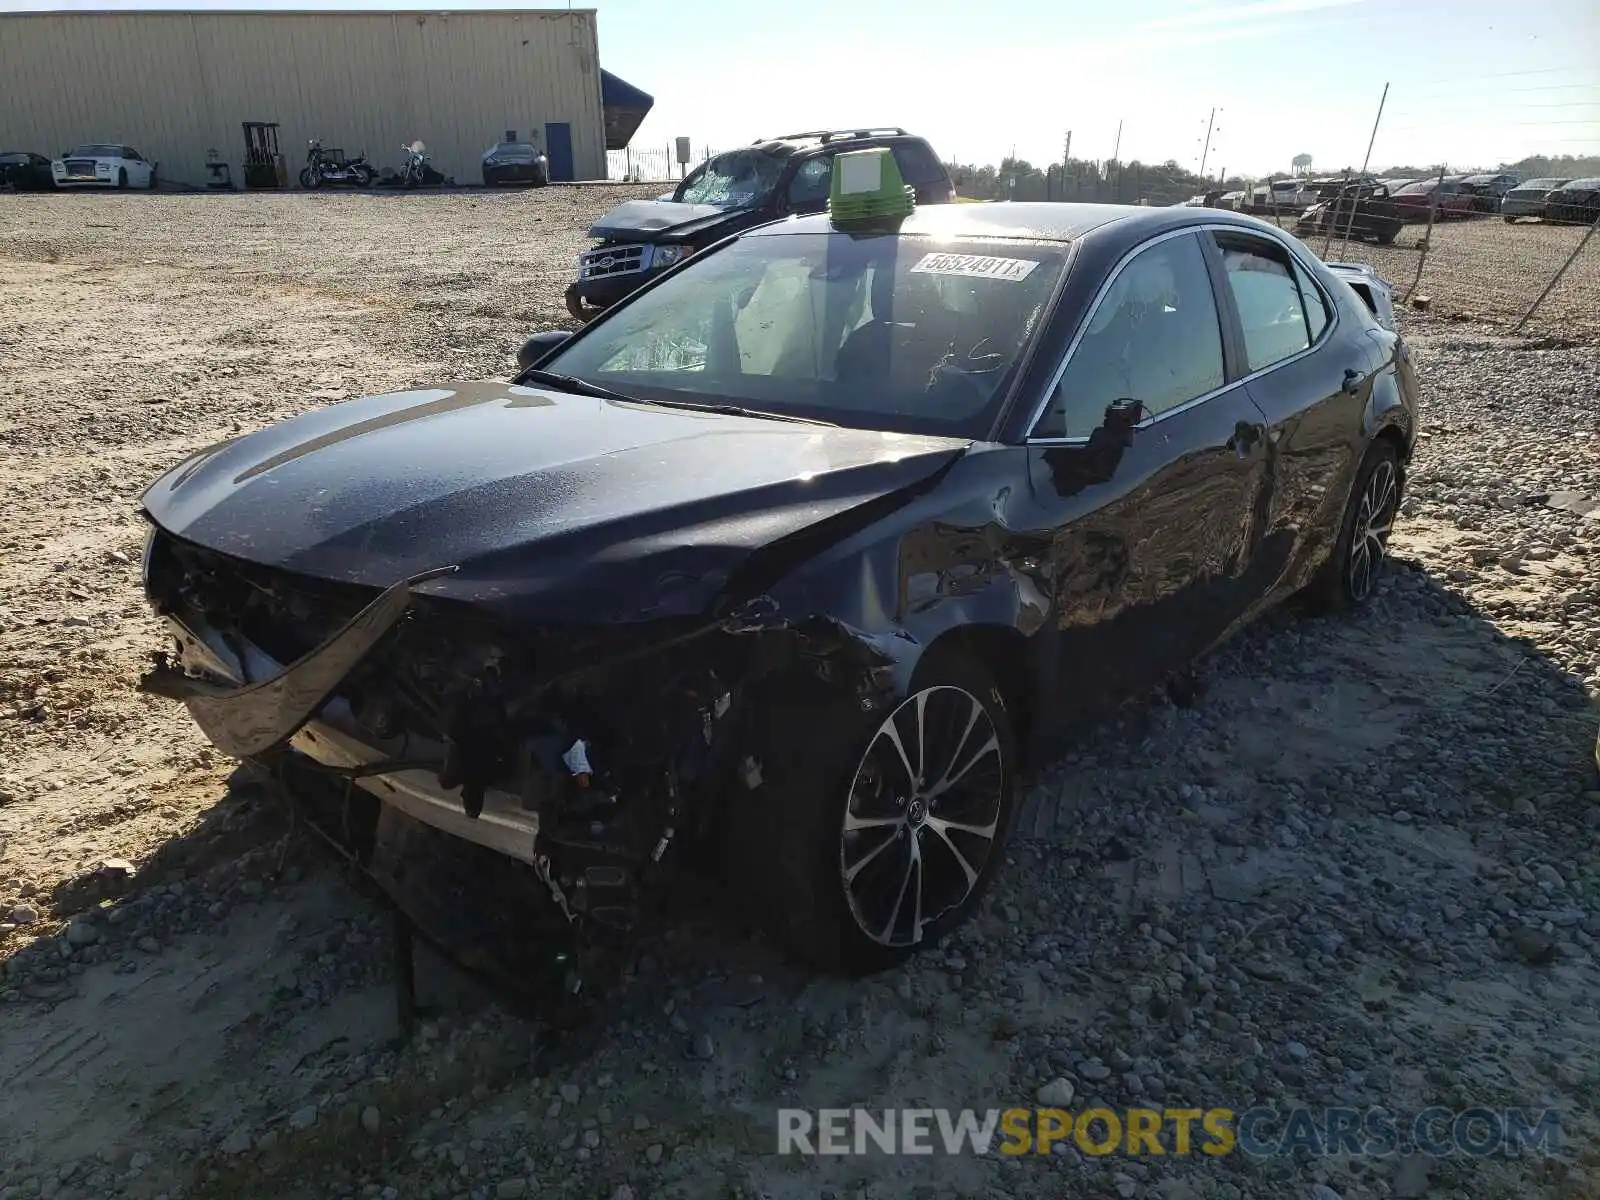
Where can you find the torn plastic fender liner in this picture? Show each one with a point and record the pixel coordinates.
(251, 719)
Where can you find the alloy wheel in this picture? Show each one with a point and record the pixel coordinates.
(921, 819)
(1370, 535)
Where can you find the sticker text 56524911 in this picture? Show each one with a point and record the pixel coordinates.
(976, 266)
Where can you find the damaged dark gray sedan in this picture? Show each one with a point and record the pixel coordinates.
(794, 560)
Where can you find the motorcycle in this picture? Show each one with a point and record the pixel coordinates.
(418, 169)
(330, 166)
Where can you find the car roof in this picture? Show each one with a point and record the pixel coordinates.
(1035, 221)
(790, 144)
(1578, 184)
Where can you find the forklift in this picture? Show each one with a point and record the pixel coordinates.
(264, 167)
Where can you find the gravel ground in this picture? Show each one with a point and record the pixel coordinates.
(1362, 868)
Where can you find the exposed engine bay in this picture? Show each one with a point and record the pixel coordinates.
(585, 755)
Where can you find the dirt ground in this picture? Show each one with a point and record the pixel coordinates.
(1363, 868)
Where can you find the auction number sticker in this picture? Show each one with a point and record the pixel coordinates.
(976, 266)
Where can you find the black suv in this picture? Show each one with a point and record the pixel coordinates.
(732, 192)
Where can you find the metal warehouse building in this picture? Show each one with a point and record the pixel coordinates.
(175, 85)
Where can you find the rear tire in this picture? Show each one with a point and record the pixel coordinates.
(1350, 576)
(855, 860)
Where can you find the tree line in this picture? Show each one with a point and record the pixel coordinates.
(1113, 182)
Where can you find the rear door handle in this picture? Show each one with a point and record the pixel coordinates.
(1352, 381)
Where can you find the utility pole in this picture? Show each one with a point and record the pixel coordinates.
(1365, 163)
(1210, 121)
(1116, 157)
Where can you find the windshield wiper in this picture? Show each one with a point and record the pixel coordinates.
(582, 387)
(736, 410)
(573, 385)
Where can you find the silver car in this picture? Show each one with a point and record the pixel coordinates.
(1528, 199)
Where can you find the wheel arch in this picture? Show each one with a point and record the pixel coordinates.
(1002, 650)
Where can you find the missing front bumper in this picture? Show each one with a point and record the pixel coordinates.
(294, 707)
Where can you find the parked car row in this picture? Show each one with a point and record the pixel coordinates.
(110, 165)
(1381, 200)
(94, 164)
(1564, 200)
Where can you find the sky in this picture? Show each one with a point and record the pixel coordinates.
(1471, 82)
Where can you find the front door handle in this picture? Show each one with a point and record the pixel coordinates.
(1352, 381)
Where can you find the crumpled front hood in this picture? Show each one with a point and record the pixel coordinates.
(661, 220)
(573, 506)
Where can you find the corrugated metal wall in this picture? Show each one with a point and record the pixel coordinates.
(174, 85)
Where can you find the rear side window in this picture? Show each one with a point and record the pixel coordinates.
(1316, 308)
(1267, 298)
(918, 163)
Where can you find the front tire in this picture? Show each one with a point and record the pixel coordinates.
(122, 178)
(1350, 576)
(875, 834)
(308, 179)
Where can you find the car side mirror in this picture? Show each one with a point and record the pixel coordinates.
(1123, 413)
(540, 345)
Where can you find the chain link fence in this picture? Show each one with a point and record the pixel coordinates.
(652, 164)
(1461, 257)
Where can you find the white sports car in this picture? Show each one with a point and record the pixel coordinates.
(103, 166)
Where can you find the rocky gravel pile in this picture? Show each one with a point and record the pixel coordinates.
(1360, 867)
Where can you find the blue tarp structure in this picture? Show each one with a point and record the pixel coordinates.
(625, 109)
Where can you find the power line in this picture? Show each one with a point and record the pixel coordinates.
(1506, 74)
(1508, 109)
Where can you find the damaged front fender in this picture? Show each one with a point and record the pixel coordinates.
(249, 719)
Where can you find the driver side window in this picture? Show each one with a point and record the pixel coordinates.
(1154, 337)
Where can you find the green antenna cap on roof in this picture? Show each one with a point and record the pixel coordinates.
(867, 188)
